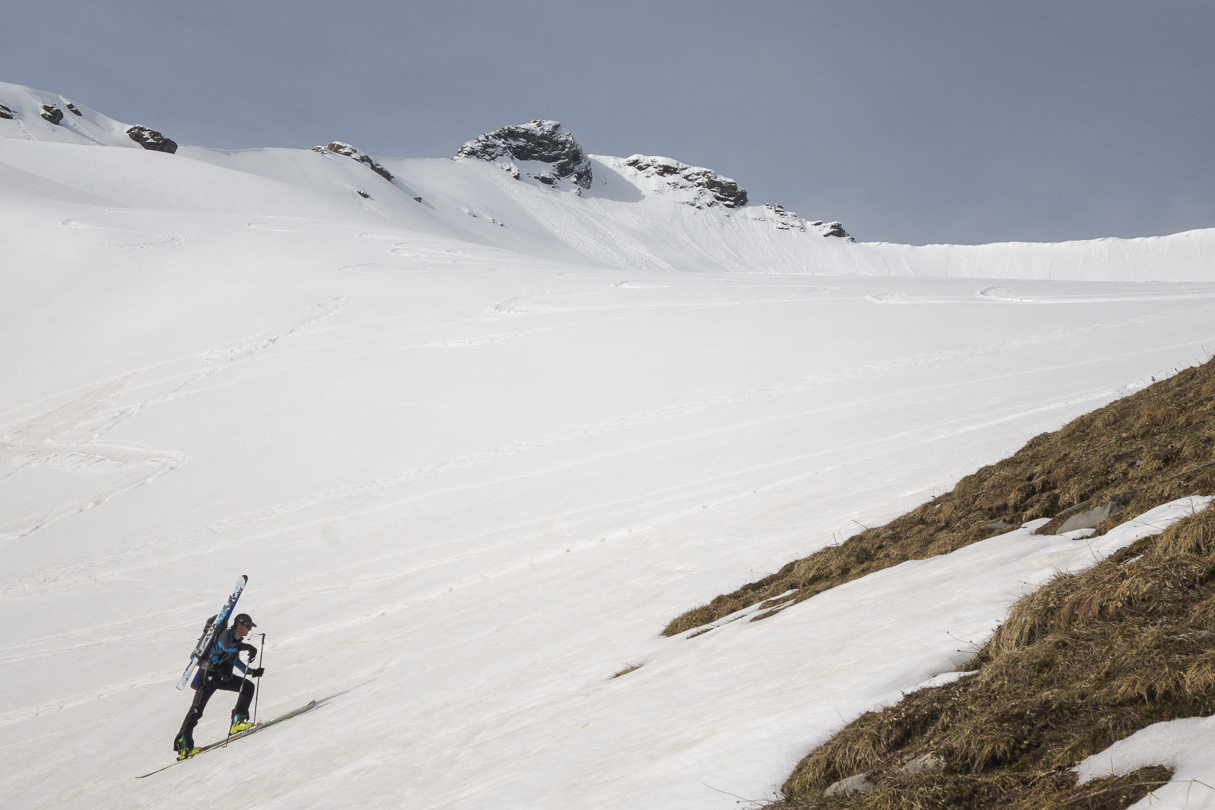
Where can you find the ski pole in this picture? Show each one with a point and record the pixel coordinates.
(257, 685)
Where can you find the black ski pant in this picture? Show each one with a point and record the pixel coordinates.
(208, 682)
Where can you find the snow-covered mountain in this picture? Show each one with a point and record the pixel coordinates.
(476, 431)
(35, 115)
(532, 189)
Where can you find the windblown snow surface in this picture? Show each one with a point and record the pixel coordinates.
(474, 450)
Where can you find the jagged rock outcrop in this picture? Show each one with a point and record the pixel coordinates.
(6, 112)
(709, 188)
(345, 149)
(782, 219)
(151, 139)
(52, 113)
(785, 220)
(540, 141)
(72, 109)
(832, 229)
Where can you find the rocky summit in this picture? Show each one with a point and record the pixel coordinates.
(539, 141)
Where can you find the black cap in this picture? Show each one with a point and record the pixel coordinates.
(243, 618)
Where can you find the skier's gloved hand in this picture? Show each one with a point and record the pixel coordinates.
(256, 672)
(252, 654)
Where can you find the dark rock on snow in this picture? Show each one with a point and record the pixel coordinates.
(52, 113)
(833, 229)
(72, 109)
(345, 149)
(151, 139)
(5, 112)
(783, 219)
(548, 142)
(714, 189)
(541, 141)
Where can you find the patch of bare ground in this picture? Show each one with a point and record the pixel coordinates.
(1083, 662)
(1020, 792)
(629, 668)
(1140, 451)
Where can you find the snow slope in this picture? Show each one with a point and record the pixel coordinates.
(473, 452)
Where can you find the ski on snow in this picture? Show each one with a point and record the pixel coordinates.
(204, 640)
(239, 735)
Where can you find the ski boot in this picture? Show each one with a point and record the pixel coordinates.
(184, 748)
(239, 723)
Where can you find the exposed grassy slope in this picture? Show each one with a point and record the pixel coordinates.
(1085, 661)
(1081, 663)
(1145, 449)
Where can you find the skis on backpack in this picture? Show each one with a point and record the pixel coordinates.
(213, 628)
(238, 735)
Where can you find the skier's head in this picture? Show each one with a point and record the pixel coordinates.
(242, 624)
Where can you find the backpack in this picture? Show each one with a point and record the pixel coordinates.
(205, 645)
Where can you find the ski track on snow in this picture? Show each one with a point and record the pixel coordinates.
(1005, 295)
(656, 505)
(519, 305)
(91, 411)
(69, 437)
(527, 304)
(380, 487)
(156, 240)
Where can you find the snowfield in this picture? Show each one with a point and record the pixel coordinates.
(474, 452)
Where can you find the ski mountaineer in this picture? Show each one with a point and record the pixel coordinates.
(215, 672)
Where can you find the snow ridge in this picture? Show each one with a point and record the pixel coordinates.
(36, 115)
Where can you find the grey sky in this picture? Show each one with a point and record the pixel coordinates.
(909, 121)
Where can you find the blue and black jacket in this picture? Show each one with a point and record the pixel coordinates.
(225, 653)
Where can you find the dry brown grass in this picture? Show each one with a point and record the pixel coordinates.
(1153, 446)
(629, 668)
(1081, 663)
(1050, 791)
(1086, 660)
